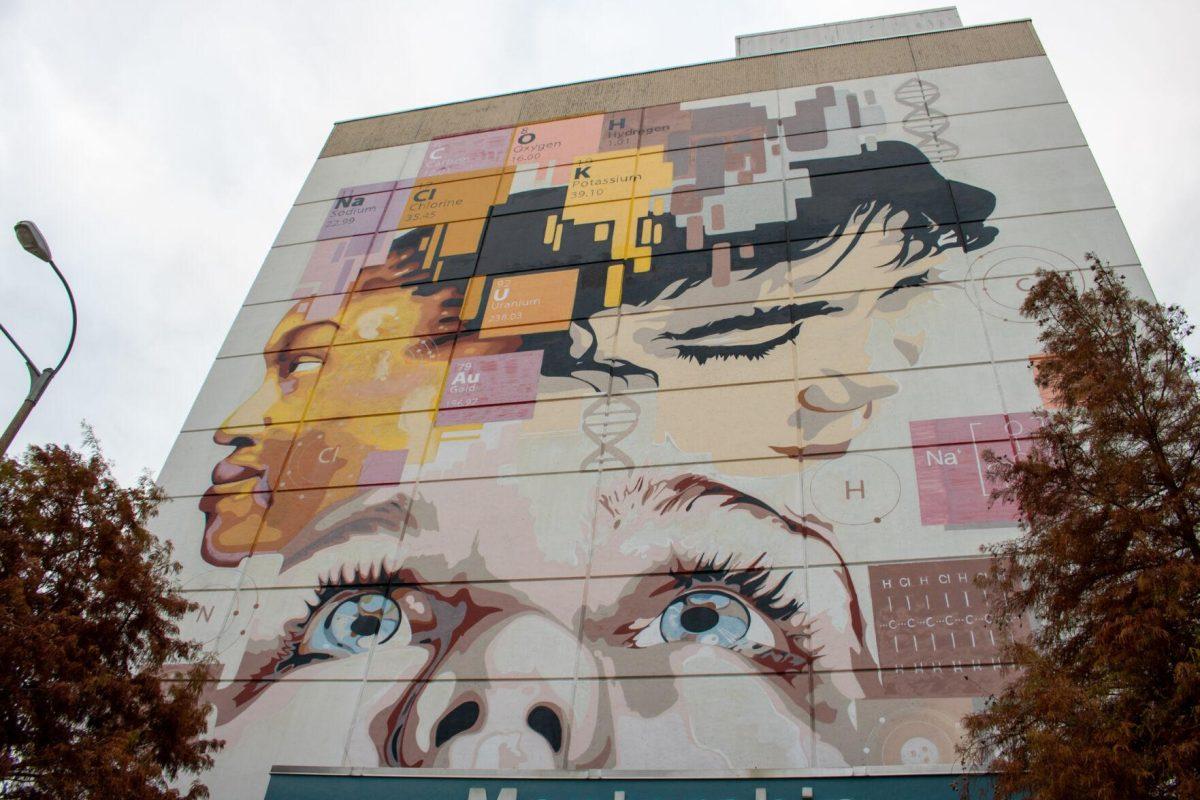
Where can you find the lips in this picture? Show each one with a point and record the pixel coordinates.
(229, 478)
(254, 487)
(226, 472)
(226, 536)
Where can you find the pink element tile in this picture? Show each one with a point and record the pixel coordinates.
(484, 388)
(333, 266)
(383, 466)
(619, 130)
(952, 480)
(559, 142)
(936, 633)
(351, 215)
(472, 151)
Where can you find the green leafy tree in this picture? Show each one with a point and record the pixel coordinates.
(87, 635)
(1106, 702)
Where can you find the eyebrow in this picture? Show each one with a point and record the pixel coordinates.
(759, 318)
(683, 492)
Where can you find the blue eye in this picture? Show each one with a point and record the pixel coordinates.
(357, 622)
(706, 617)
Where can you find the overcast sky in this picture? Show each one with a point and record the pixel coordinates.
(159, 146)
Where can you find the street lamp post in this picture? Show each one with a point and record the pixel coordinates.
(32, 240)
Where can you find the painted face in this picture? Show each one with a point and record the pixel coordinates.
(367, 403)
(813, 320)
(241, 491)
(698, 631)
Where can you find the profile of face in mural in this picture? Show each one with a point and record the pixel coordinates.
(570, 618)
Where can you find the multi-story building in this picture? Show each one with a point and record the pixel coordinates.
(574, 442)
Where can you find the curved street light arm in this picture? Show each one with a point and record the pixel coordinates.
(38, 379)
(74, 316)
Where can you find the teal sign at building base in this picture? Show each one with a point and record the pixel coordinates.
(296, 786)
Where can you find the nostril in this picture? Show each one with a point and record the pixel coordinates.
(461, 718)
(545, 722)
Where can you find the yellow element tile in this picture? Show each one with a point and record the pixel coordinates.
(540, 301)
(591, 180)
(433, 203)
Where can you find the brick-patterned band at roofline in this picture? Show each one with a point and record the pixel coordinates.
(974, 45)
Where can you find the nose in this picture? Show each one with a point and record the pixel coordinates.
(250, 457)
(505, 726)
(504, 701)
(236, 438)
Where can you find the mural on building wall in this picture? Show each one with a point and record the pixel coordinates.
(630, 441)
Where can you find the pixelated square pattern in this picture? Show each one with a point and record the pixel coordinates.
(648, 440)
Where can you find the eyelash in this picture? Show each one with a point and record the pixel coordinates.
(750, 583)
(751, 352)
(329, 589)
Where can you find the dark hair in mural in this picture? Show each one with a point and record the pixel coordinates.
(849, 194)
(893, 179)
(892, 184)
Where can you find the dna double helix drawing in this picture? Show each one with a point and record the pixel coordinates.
(923, 121)
(605, 423)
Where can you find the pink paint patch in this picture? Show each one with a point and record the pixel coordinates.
(395, 209)
(324, 307)
(952, 480)
(333, 266)
(721, 261)
(383, 466)
(695, 233)
(490, 388)
(718, 217)
(377, 252)
(467, 153)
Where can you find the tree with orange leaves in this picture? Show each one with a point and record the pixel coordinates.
(88, 635)
(1107, 699)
